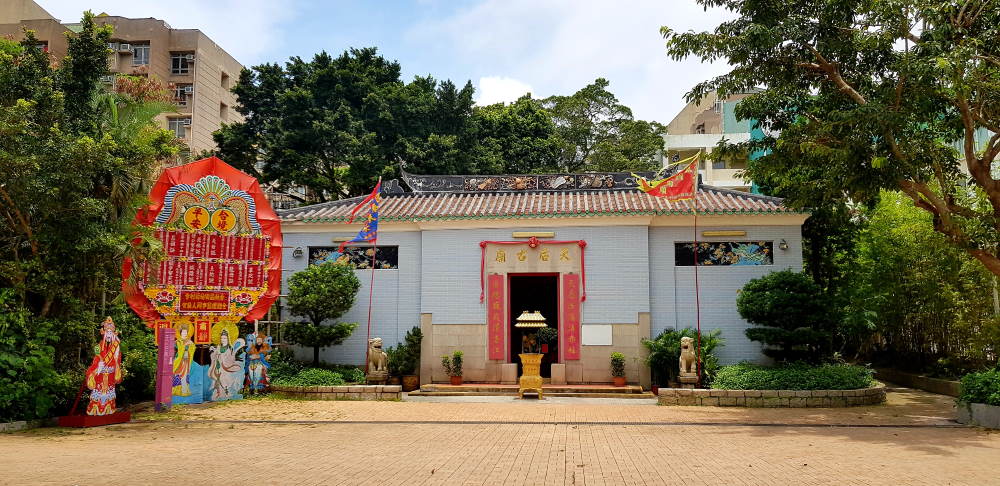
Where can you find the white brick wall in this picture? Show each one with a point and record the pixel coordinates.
(672, 293)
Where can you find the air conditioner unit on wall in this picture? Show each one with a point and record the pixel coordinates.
(113, 46)
(188, 89)
(187, 122)
(123, 47)
(189, 57)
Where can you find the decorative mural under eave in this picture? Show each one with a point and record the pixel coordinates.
(221, 264)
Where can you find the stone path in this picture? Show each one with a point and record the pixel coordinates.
(496, 440)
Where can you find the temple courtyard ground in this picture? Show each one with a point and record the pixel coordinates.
(498, 440)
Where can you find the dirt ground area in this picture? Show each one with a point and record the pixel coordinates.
(497, 440)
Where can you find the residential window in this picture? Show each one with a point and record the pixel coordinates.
(718, 106)
(386, 257)
(42, 46)
(178, 126)
(140, 54)
(700, 129)
(182, 93)
(724, 253)
(223, 111)
(181, 63)
(718, 164)
(225, 80)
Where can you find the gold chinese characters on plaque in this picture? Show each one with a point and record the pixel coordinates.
(544, 258)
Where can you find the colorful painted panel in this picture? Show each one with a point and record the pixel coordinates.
(571, 317)
(386, 257)
(716, 253)
(495, 316)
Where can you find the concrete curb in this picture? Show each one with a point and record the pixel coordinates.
(979, 414)
(343, 392)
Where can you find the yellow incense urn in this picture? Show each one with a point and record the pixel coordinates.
(531, 378)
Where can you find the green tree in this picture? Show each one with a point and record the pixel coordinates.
(874, 94)
(74, 163)
(321, 293)
(515, 138)
(792, 315)
(914, 298)
(599, 133)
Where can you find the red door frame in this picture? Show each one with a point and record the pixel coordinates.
(509, 335)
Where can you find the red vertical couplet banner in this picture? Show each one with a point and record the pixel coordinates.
(495, 313)
(571, 317)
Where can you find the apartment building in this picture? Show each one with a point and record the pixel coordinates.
(699, 127)
(199, 72)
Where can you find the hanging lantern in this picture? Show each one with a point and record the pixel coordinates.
(531, 320)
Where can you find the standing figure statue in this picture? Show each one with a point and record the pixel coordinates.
(226, 369)
(105, 371)
(183, 354)
(258, 356)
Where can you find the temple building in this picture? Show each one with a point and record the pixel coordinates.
(605, 264)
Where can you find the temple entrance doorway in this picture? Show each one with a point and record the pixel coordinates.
(534, 292)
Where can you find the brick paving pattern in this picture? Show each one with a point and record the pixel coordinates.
(911, 440)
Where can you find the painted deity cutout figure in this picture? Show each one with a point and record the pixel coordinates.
(258, 363)
(105, 371)
(226, 369)
(183, 354)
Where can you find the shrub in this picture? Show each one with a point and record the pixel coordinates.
(617, 364)
(799, 376)
(792, 315)
(981, 387)
(283, 365)
(453, 364)
(665, 352)
(29, 384)
(352, 374)
(312, 377)
(320, 293)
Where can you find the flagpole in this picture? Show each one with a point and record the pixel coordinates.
(371, 291)
(697, 296)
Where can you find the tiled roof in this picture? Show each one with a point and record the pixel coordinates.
(423, 206)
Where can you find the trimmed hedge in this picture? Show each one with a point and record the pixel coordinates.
(746, 376)
(312, 377)
(981, 387)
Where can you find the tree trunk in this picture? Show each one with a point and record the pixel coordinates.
(989, 260)
(315, 355)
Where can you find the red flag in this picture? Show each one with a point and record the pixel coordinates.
(676, 187)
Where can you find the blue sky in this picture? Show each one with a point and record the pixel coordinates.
(505, 47)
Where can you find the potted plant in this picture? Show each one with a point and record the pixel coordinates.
(453, 367)
(618, 368)
(411, 361)
(395, 362)
(547, 336)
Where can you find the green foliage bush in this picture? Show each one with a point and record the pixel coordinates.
(29, 383)
(798, 376)
(665, 352)
(791, 315)
(312, 377)
(320, 293)
(981, 387)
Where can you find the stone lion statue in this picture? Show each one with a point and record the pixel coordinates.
(688, 359)
(376, 357)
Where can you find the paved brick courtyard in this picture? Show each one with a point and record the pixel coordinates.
(501, 441)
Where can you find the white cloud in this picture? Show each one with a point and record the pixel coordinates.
(247, 29)
(559, 46)
(496, 89)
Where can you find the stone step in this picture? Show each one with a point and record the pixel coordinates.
(419, 393)
(494, 389)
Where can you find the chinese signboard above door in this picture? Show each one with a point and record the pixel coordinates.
(221, 250)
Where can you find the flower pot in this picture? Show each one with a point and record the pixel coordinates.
(393, 380)
(411, 382)
(619, 380)
(456, 380)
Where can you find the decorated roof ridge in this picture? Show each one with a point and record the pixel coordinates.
(524, 182)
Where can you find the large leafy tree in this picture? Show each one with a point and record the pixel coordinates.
(75, 160)
(515, 138)
(333, 125)
(864, 95)
(597, 132)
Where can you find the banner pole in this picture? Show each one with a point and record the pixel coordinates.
(371, 291)
(697, 296)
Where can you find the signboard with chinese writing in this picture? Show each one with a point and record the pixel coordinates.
(495, 316)
(222, 250)
(571, 317)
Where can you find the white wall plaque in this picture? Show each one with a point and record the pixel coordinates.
(595, 335)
